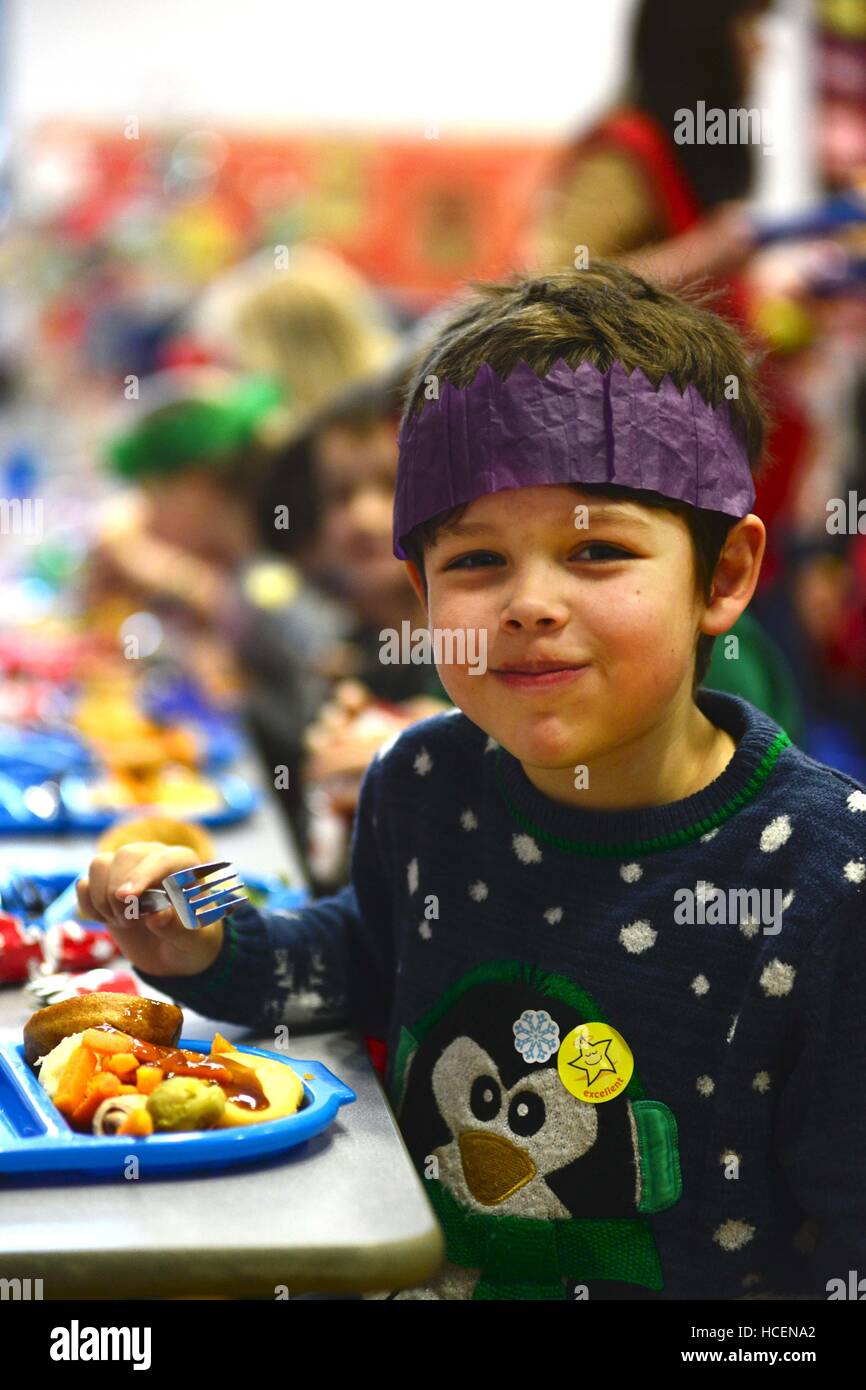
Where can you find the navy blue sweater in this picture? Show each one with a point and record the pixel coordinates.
(621, 1070)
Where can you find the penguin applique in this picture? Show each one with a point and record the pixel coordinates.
(539, 1192)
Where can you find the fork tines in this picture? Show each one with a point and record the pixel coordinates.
(208, 901)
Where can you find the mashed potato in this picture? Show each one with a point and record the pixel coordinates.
(54, 1061)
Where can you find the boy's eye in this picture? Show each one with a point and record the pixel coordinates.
(474, 556)
(605, 551)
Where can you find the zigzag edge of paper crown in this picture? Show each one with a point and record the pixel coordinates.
(560, 370)
(680, 405)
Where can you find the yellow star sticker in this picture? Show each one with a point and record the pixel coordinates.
(595, 1053)
(593, 1059)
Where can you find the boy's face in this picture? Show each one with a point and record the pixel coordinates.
(616, 601)
(358, 473)
(192, 511)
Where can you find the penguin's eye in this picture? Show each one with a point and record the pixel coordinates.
(485, 1098)
(526, 1113)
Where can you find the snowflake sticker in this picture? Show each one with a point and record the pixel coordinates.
(536, 1035)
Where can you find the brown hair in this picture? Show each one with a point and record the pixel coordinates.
(601, 315)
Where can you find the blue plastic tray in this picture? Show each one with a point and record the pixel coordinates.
(35, 1138)
(239, 800)
(177, 698)
(75, 816)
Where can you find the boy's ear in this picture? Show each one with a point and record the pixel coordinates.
(417, 582)
(736, 575)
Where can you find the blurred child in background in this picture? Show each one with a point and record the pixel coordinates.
(312, 323)
(185, 541)
(339, 476)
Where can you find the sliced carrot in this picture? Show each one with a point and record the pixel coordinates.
(147, 1079)
(101, 1040)
(74, 1078)
(82, 1115)
(121, 1062)
(221, 1044)
(105, 1083)
(100, 1086)
(137, 1122)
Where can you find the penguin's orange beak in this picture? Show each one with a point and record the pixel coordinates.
(494, 1168)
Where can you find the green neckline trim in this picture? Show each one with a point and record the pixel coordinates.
(659, 842)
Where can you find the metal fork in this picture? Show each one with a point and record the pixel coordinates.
(197, 904)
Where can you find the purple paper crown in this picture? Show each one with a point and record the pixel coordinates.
(571, 426)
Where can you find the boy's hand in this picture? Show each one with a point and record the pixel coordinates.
(157, 942)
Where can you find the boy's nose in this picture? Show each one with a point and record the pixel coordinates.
(534, 611)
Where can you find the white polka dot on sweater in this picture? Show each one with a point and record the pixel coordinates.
(750, 926)
(857, 801)
(700, 984)
(425, 931)
(774, 835)
(733, 1028)
(705, 1085)
(749, 1280)
(730, 1156)
(423, 762)
(526, 849)
(710, 835)
(412, 875)
(777, 979)
(630, 873)
(761, 1082)
(704, 892)
(733, 1235)
(478, 891)
(553, 915)
(490, 744)
(638, 937)
(855, 871)
(469, 820)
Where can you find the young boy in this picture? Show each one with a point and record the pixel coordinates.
(609, 925)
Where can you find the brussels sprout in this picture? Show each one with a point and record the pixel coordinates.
(185, 1102)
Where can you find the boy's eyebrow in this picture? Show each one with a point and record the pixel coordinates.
(615, 511)
(602, 511)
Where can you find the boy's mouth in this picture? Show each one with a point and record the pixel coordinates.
(529, 675)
